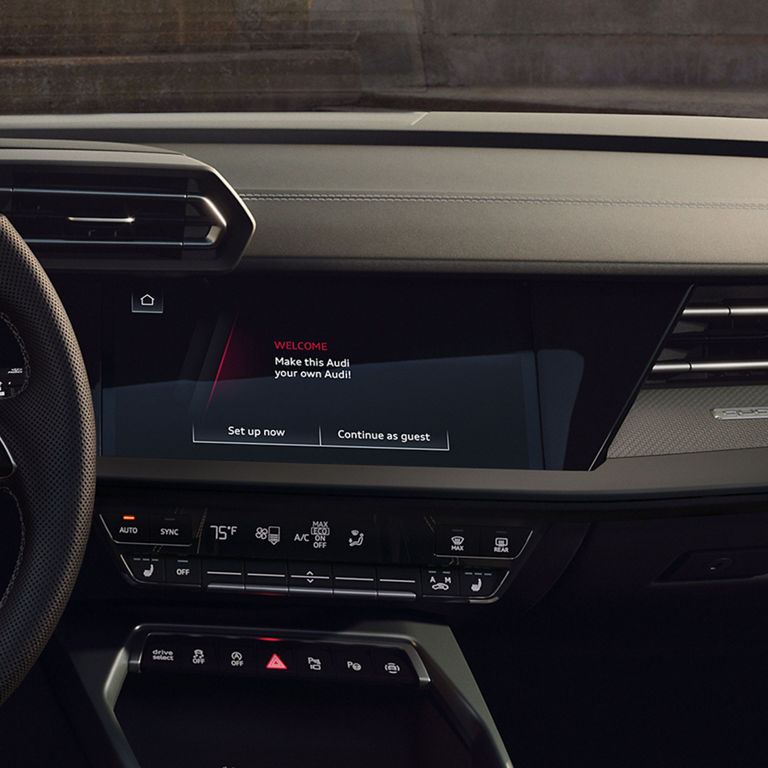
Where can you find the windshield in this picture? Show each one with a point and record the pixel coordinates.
(657, 56)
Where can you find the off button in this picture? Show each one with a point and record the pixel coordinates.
(182, 570)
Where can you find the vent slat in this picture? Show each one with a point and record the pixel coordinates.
(65, 216)
(721, 337)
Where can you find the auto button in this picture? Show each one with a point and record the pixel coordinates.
(128, 527)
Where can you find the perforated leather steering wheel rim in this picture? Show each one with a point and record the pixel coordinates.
(48, 429)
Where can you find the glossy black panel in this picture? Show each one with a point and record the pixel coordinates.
(594, 343)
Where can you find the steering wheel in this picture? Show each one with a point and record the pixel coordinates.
(48, 431)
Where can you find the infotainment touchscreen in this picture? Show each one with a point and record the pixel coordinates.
(356, 370)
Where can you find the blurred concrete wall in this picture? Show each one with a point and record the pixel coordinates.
(693, 43)
(86, 55)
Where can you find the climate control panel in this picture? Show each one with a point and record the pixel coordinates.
(316, 549)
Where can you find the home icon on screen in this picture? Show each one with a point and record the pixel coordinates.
(147, 302)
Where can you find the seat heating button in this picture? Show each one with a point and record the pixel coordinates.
(146, 568)
(479, 583)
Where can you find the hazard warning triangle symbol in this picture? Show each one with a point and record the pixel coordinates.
(276, 662)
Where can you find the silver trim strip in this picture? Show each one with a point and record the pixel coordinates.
(207, 243)
(753, 311)
(706, 312)
(101, 220)
(713, 367)
(749, 311)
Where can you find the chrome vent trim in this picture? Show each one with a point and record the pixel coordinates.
(198, 220)
(721, 337)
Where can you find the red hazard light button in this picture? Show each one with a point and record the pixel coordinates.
(275, 662)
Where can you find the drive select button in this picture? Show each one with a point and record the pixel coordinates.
(162, 653)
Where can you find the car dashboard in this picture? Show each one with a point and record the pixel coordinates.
(373, 389)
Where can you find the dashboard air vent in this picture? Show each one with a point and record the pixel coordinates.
(79, 215)
(84, 206)
(721, 337)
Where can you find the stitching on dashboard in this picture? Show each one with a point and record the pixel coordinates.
(357, 197)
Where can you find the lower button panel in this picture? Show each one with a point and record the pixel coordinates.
(279, 658)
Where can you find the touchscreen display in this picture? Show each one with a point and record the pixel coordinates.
(365, 370)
